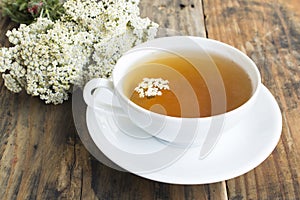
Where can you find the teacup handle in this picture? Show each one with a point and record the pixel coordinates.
(89, 98)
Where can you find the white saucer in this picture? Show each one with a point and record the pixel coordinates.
(238, 151)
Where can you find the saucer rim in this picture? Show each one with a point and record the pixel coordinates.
(257, 160)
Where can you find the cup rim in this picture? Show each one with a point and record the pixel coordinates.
(231, 112)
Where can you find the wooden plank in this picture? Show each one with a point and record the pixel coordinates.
(37, 145)
(184, 17)
(269, 32)
(43, 158)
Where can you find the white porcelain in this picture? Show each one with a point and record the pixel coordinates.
(183, 131)
(239, 150)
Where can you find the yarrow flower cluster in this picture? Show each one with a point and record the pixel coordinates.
(151, 87)
(48, 58)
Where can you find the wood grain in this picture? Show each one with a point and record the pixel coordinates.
(184, 17)
(42, 156)
(269, 32)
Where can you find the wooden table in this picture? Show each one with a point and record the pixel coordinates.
(42, 156)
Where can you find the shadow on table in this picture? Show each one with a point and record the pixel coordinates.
(79, 116)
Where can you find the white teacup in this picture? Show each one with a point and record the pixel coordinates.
(176, 130)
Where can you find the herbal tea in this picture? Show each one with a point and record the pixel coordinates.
(189, 94)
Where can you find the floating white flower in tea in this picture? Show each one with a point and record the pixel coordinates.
(151, 87)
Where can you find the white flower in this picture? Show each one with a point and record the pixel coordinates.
(11, 83)
(50, 57)
(151, 87)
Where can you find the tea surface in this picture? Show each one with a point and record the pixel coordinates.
(199, 87)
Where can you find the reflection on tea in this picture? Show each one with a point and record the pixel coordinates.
(190, 95)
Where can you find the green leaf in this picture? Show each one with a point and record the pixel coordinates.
(23, 6)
